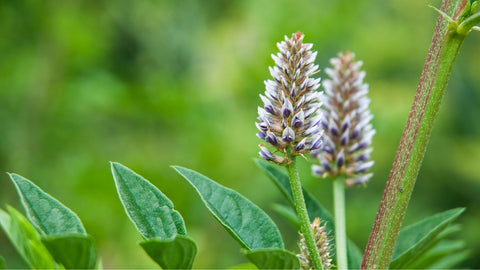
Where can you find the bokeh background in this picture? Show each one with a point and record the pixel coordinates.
(155, 83)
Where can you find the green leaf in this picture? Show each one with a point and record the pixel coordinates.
(150, 211)
(245, 221)
(314, 208)
(438, 253)
(73, 251)
(414, 239)
(243, 266)
(272, 258)
(176, 253)
(47, 214)
(451, 261)
(2, 263)
(25, 239)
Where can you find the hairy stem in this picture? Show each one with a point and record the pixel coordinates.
(340, 224)
(441, 57)
(302, 213)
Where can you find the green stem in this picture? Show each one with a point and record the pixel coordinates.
(302, 213)
(443, 52)
(340, 224)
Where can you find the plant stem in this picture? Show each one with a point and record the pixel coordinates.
(340, 224)
(302, 213)
(443, 52)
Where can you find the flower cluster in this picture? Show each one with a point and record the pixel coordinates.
(289, 121)
(348, 132)
(323, 245)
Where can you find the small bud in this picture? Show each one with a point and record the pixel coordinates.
(322, 240)
(288, 135)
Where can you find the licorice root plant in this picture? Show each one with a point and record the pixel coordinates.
(326, 122)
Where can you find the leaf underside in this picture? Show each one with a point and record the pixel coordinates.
(73, 251)
(272, 258)
(177, 253)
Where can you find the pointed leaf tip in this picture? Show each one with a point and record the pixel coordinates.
(147, 207)
(46, 213)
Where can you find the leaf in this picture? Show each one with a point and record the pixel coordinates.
(73, 251)
(47, 214)
(243, 266)
(2, 263)
(147, 207)
(354, 255)
(438, 253)
(451, 260)
(245, 221)
(414, 239)
(176, 253)
(314, 208)
(25, 239)
(272, 258)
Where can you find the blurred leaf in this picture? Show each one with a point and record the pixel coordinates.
(2, 263)
(25, 239)
(47, 214)
(245, 221)
(438, 253)
(272, 258)
(287, 213)
(176, 253)
(146, 206)
(354, 255)
(414, 239)
(314, 208)
(243, 266)
(451, 260)
(73, 251)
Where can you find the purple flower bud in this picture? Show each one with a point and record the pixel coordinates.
(328, 149)
(287, 108)
(298, 119)
(262, 126)
(363, 157)
(301, 145)
(327, 166)
(261, 135)
(317, 170)
(363, 167)
(316, 144)
(288, 135)
(355, 134)
(269, 109)
(344, 139)
(271, 138)
(340, 159)
(265, 153)
(265, 156)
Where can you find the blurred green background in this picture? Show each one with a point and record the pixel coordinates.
(155, 83)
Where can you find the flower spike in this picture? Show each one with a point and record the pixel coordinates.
(291, 105)
(346, 120)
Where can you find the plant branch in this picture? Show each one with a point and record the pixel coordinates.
(302, 213)
(441, 57)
